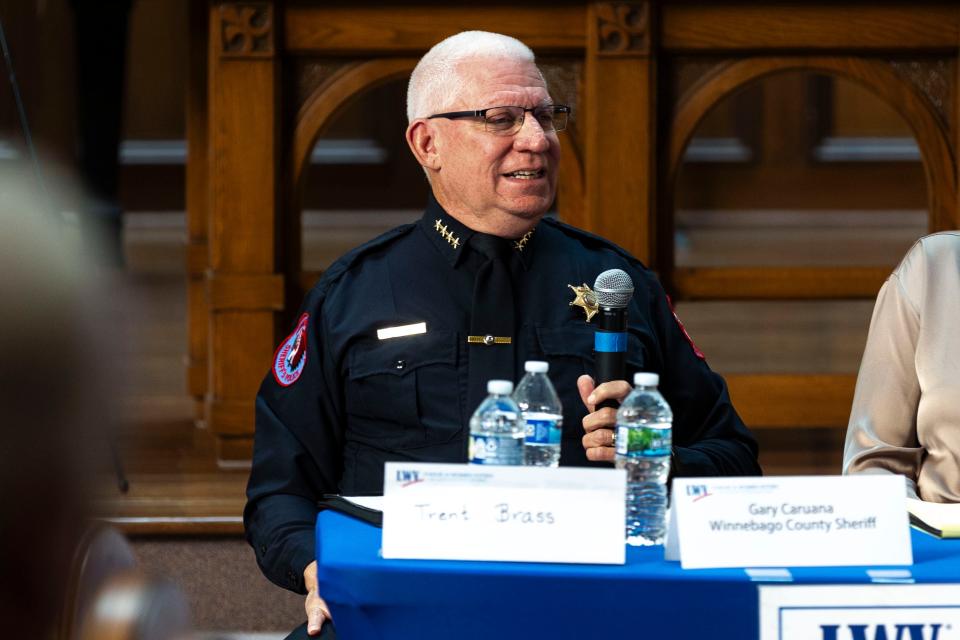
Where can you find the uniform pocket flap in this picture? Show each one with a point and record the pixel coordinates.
(400, 356)
(577, 342)
(574, 342)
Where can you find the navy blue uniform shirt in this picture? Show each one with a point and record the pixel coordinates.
(340, 402)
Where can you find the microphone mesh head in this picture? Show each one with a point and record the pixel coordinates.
(614, 288)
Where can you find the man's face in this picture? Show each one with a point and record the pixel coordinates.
(499, 184)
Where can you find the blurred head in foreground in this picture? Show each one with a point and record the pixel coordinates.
(50, 401)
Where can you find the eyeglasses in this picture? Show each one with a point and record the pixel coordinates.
(506, 121)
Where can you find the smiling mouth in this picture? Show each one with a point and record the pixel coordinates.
(525, 174)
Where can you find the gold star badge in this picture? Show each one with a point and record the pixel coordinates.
(586, 299)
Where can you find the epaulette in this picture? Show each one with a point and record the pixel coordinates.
(342, 264)
(592, 239)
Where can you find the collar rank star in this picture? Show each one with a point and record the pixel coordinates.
(441, 228)
(522, 242)
(584, 298)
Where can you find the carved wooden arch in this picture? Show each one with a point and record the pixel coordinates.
(932, 138)
(326, 101)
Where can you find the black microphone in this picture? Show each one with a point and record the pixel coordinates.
(613, 289)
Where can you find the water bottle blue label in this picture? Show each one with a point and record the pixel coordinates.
(493, 450)
(644, 441)
(542, 432)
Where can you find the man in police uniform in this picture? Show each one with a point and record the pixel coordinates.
(394, 345)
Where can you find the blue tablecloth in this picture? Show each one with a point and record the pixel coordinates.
(647, 597)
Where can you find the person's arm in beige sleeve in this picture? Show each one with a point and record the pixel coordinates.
(882, 433)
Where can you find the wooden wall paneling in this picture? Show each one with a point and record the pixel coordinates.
(792, 400)
(243, 95)
(197, 204)
(825, 186)
(619, 143)
(778, 283)
(954, 223)
(159, 65)
(808, 26)
(235, 451)
(44, 56)
(570, 187)
(876, 75)
(564, 77)
(412, 29)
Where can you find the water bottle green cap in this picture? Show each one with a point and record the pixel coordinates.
(645, 379)
(500, 387)
(536, 366)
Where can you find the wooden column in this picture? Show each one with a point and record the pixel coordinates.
(243, 288)
(619, 133)
(198, 209)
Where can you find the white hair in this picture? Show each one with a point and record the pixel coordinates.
(435, 82)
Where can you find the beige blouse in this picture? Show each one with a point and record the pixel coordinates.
(906, 409)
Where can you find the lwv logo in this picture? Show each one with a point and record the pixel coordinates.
(880, 631)
(407, 477)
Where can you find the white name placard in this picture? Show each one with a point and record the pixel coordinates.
(789, 522)
(523, 514)
(860, 612)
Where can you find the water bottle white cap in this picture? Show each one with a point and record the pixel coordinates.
(645, 379)
(536, 366)
(500, 387)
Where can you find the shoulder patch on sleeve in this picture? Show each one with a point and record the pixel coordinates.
(291, 355)
(683, 330)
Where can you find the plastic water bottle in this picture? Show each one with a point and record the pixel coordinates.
(541, 414)
(644, 437)
(496, 435)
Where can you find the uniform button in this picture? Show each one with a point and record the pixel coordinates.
(400, 364)
(488, 340)
(263, 549)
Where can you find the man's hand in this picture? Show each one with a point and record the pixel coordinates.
(317, 610)
(599, 425)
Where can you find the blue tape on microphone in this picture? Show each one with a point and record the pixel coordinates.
(609, 342)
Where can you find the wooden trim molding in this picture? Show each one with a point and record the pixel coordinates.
(197, 372)
(783, 400)
(177, 525)
(809, 26)
(233, 418)
(778, 283)
(197, 256)
(246, 30)
(570, 185)
(623, 28)
(377, 29)
(234, 452)
(245, 292)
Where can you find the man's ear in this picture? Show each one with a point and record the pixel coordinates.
(422, 141)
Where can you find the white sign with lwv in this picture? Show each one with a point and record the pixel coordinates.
(520, 514)
(818, 521)
(860, 612)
